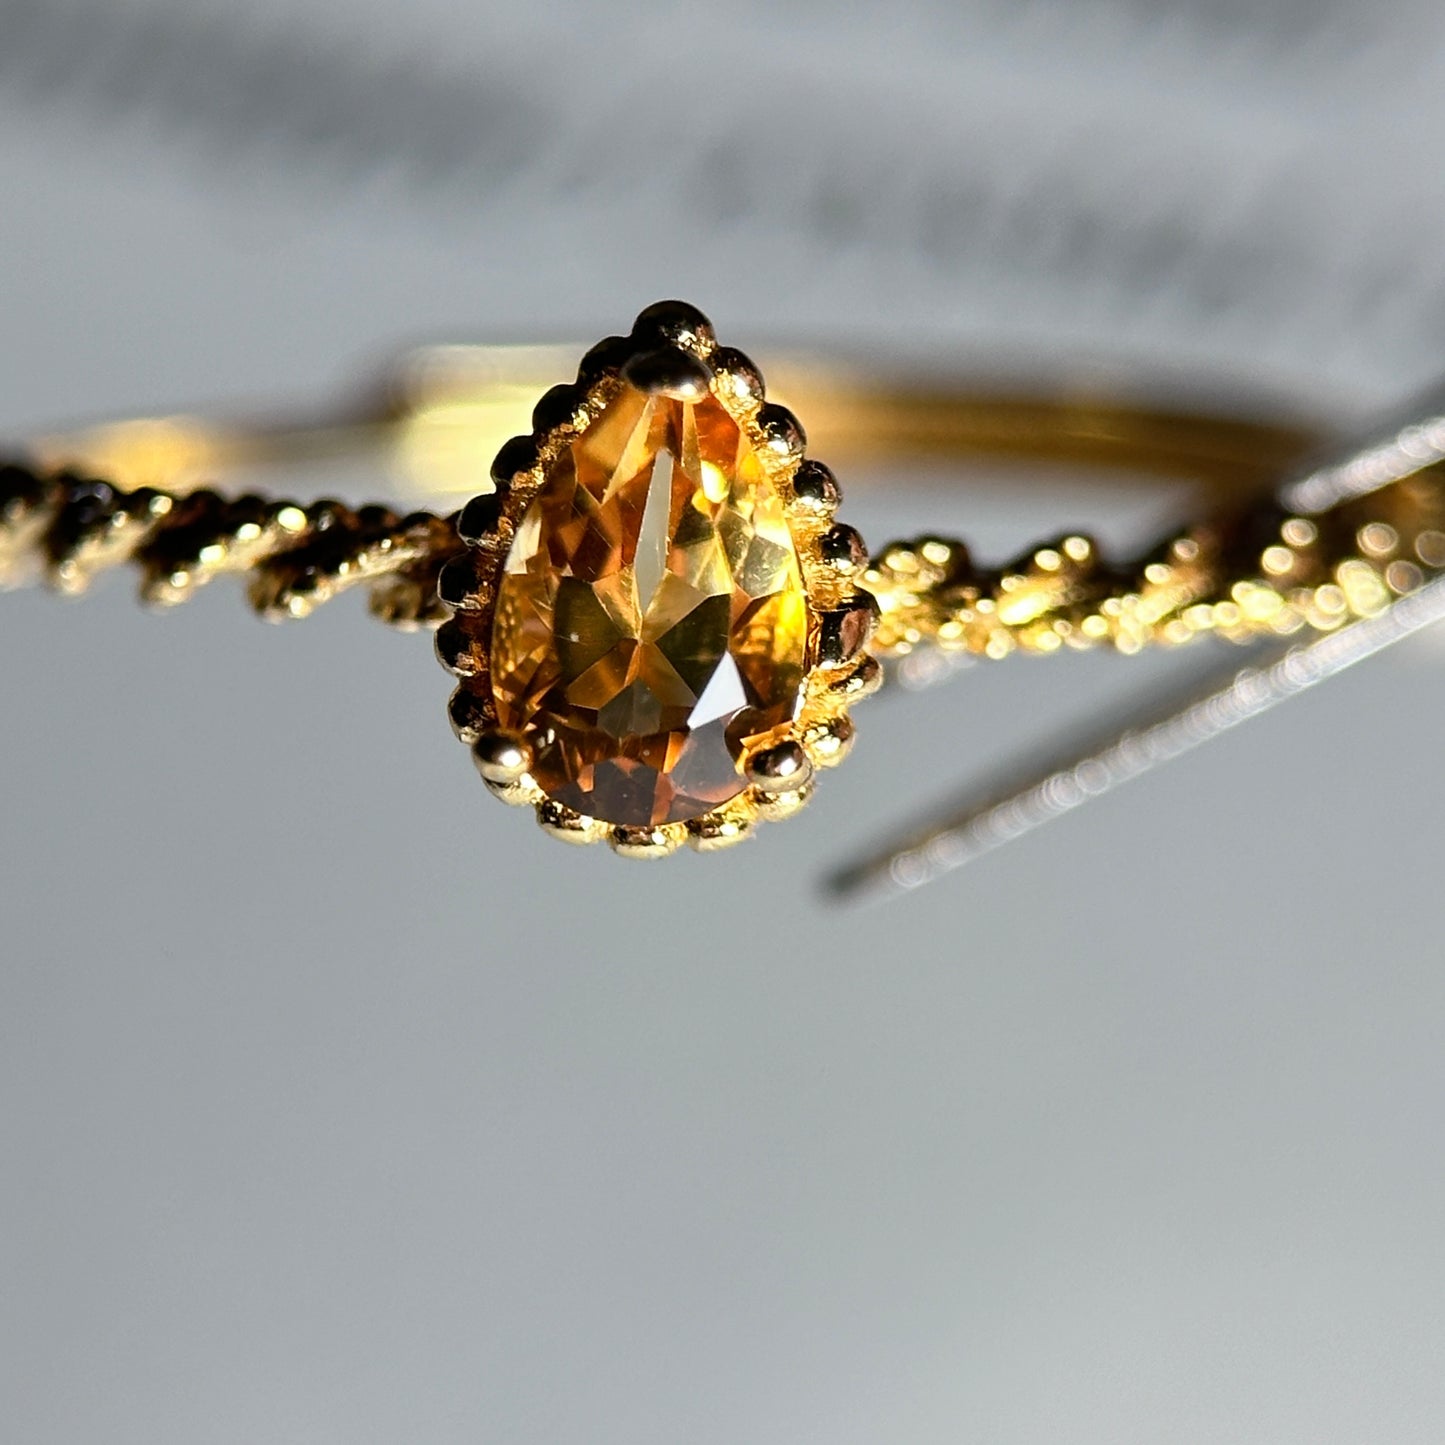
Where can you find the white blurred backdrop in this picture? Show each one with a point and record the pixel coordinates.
(336, 1104)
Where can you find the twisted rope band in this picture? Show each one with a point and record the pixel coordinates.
(1264, 571)
(295, 555)
(1261, 571)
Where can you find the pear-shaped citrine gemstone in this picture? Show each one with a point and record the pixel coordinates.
(651, 619)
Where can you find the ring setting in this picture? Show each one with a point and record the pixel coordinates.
(657, 624)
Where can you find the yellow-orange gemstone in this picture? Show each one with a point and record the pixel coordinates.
(651, 620)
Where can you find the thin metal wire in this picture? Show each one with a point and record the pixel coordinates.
(1042, 792)
(1399, 448)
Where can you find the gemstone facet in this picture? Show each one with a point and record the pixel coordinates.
(651, 621)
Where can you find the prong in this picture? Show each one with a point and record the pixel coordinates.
(782, 768)
(717, 830)
(669, 372)
(774, 807)
(678, 323)
(567, 825)
(647, 842)
(501, 757)
(828, 743)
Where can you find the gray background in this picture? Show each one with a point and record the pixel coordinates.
(336, 1104)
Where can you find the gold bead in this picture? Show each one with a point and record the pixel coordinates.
(843, 550)
(717, 830)
(782, 768)
(501, 757)
(655, 842)
(523, 793)
(567, 825)
(774, 807)
(828, 743)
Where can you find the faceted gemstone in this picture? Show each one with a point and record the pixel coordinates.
(651, 620)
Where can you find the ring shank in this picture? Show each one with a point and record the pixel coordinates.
(433, 427)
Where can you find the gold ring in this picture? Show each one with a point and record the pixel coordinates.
(657, 623)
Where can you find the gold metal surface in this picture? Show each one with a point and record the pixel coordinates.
(1258, 571)
(434, 425)
(140, 493)
(662, 430)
